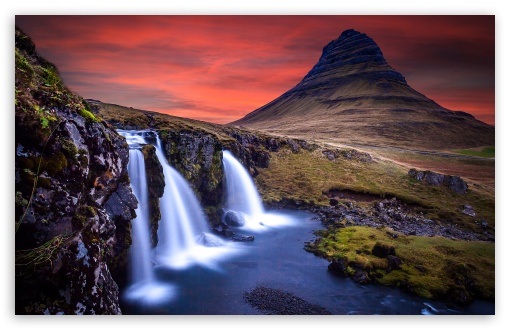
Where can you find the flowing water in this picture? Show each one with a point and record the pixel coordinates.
(242, 196)
(203, 274)
(143, 285)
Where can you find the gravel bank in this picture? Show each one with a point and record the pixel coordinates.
(278, 302)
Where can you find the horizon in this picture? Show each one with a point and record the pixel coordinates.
(219, 68)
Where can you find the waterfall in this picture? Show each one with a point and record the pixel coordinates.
(141, 267)
(143, 284)
(243, 197)
(184, 237)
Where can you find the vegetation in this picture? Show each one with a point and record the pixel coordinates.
(432, 267)
(487, 152)
(309, 176)
(28, 260)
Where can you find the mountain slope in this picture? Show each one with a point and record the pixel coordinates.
(352, 95)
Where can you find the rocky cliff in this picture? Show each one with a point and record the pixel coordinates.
(73, 199)
(352, 95)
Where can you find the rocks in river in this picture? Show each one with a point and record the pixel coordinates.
(339, 266)
(209, 240)
(454, 183)
(233, 219)
(277, 302)
(361, 276)
(242, 238)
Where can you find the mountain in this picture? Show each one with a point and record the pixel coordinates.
(352, 95)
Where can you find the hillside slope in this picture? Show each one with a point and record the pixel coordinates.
(352, 95)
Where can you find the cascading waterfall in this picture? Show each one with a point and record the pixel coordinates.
(243, 197)
(144, 285)
(141, 267)
(184, 237)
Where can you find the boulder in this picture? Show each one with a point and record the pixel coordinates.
(233, 219)
(339, 266)
(468, 210)
(458, 185)
(382, 250)
(394, 263)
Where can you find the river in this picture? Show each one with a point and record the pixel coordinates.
(276, 259)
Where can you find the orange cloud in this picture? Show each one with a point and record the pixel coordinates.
(219, 68)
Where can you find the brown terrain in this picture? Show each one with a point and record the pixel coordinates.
(353, 96)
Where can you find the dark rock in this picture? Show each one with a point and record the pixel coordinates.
(82, 205)
(434, 179)
(360, 276)
(155, 185)
(394, 263)
(333, 202)
(242, 238)
(234, 219)
(382, 250)
(339, 266)
(458, 185)
(468, 210)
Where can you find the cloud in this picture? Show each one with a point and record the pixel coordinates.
(218, 67)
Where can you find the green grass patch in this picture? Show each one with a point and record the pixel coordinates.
(432, 266)
(488, 152)
(307, 176)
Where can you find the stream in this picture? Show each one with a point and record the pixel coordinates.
(276, 259)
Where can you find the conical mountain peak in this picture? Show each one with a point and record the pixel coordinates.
(353, 53)
(353, 95)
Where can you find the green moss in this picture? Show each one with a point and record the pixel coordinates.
(54, 164)
(432, 266)
(44, 182)
(89, 116)
(69, 148)
(20, 201)
(50, 76)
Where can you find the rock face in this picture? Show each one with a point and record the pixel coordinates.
(353, 95)
(454, 183)
(73, 199)
(156, 186)
(197, 156)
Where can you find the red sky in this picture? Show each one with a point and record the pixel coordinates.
(219, 68)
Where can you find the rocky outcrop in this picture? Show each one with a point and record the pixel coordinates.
(396, 215)
(156, 187)
(454, 183)
(73, 200)
(197, 156)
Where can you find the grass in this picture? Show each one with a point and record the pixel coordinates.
(309, 176)
(486, 152)
(478, 171)
(432, 266)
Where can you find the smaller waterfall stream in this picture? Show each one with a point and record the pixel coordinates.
(141, 266)
(184, 236)
(243, 197)
(143, 283)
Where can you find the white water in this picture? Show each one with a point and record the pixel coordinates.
(141, 267)
(143, 284)
(243, 197)
(183, 229)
